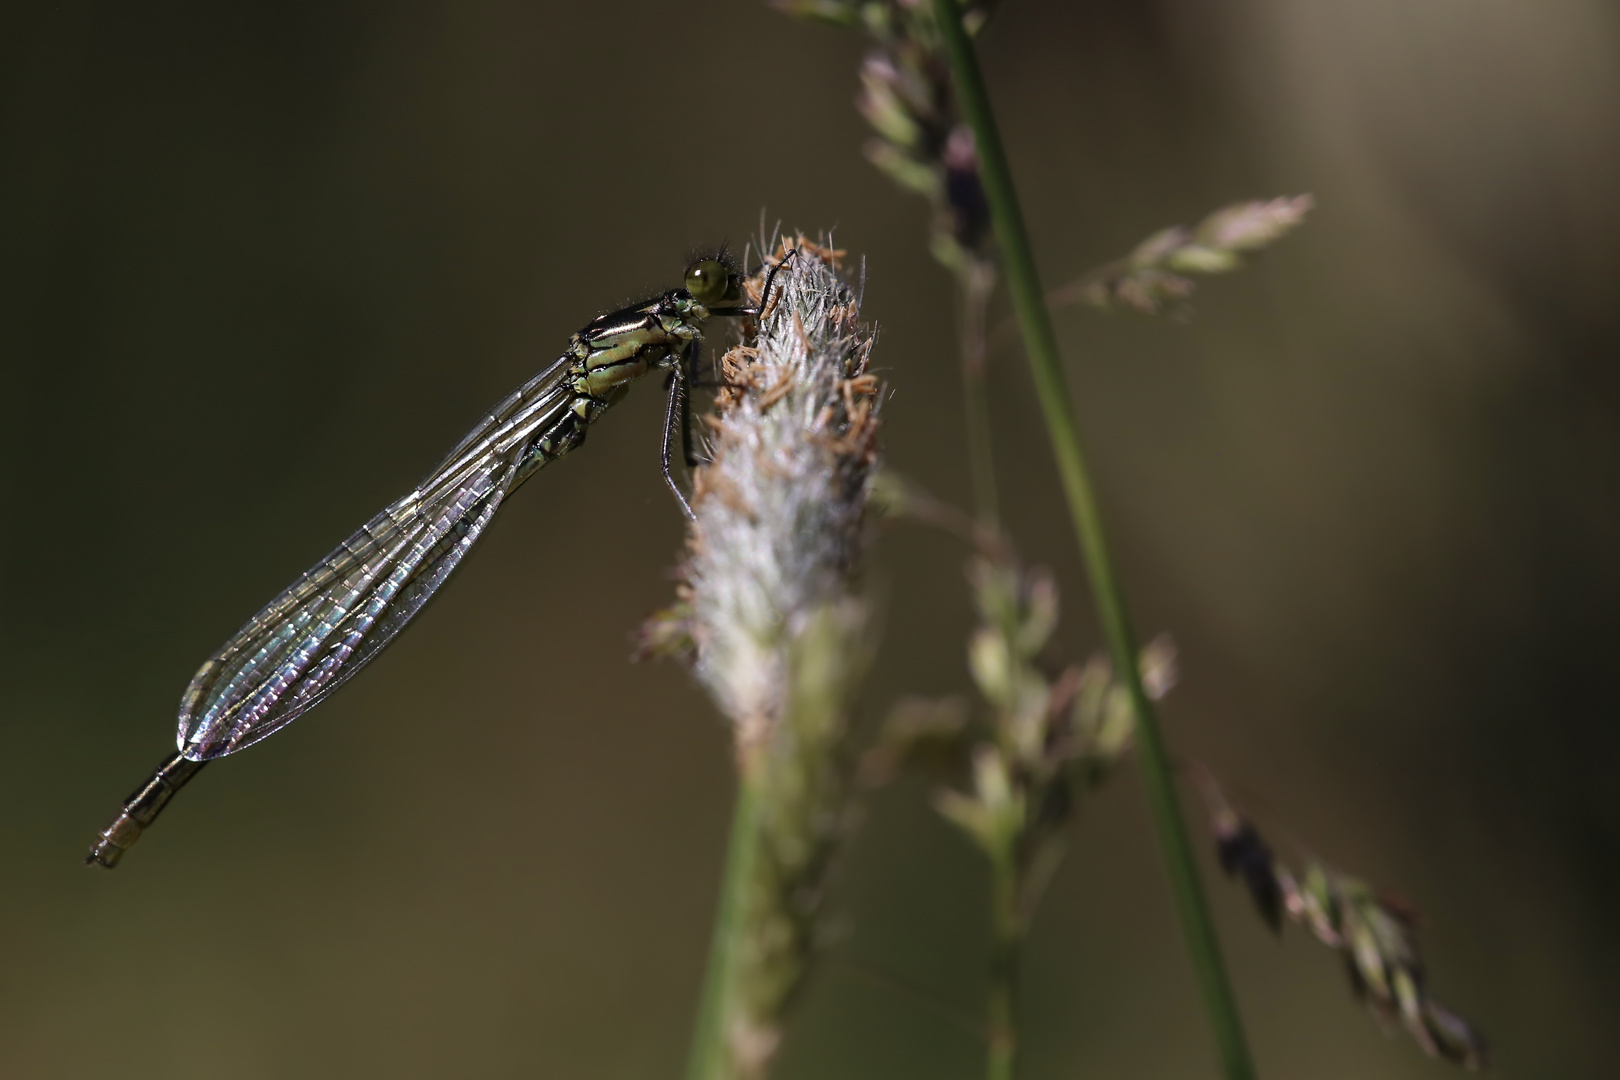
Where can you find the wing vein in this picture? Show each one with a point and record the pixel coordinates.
(345, 609)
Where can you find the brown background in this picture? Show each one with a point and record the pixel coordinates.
(262, 263)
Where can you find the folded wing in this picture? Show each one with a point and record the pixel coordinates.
(346, 608)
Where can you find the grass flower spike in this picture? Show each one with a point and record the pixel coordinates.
(775, 632)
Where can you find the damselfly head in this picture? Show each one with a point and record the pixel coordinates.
(714, 279)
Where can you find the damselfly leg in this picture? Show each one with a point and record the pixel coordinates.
(688, 444)
(704, 279)
(677, 414)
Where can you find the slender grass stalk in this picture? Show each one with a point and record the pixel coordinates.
(1041, 344)
(708, 1052)
(975, 281)
(1005, 945)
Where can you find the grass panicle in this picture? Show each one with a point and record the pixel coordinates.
(919, 138)
(1376, 932)
(1156, 271)
(1052, 733)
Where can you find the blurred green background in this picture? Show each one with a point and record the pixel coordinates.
(263, 263)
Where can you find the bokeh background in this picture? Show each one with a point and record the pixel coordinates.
(263, 262)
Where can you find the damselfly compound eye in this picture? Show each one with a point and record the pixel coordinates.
(707, 280)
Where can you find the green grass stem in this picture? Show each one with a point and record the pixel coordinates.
(1041, 346)
(974, 285)
(710, 1056)
(1001, 1028)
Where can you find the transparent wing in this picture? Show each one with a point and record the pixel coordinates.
(346, 608)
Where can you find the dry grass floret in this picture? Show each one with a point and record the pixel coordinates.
(781, 503)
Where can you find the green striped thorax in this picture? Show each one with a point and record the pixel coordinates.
(615, 349)
(621, 346)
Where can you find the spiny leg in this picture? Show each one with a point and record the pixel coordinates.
(675, 412)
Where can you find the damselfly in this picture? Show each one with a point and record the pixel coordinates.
(345, 609)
